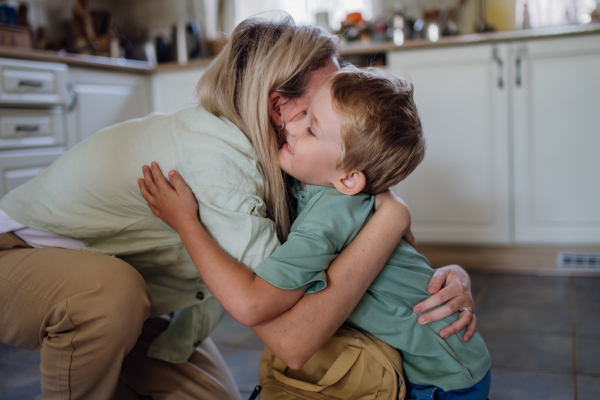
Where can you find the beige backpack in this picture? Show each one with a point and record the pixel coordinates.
(352, 365)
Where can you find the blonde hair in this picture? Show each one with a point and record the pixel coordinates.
(381, 129)
(265, 53)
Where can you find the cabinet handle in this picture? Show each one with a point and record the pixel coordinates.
(27, 128)
(73, 94)
(30, 83)
(500, 68)
(518, 80)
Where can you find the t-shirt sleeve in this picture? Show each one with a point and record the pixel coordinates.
(300, 263)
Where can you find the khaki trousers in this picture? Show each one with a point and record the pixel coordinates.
(84, 313)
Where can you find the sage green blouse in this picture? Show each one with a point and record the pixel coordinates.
(91, 194)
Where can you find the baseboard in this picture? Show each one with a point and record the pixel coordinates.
(530, 260)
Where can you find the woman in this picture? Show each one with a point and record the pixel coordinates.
(84, 310)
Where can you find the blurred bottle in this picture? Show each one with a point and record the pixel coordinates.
(323, 20)
(526, 18)
(8, 15)
(401, 30)
(595, 15)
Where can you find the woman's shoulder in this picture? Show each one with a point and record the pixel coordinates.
(214, 152)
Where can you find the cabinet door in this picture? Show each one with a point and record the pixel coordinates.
(17, 167)
(556, 93)
(175, 90)
(104, 99)
(460, 193)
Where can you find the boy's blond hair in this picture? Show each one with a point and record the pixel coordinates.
(381, 129)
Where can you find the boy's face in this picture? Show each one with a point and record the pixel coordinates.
(314, 143)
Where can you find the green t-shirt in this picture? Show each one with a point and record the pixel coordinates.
(327, 222)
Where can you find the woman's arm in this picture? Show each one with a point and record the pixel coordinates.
(246, 296)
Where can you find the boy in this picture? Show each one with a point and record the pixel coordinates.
(360, 135)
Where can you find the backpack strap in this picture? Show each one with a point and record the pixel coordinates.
(336, 372)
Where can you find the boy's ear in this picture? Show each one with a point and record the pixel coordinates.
(276, 100)
(351, 183)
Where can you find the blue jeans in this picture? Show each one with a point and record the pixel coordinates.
(479, 391)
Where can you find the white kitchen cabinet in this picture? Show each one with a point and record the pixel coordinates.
(105, 98)
(19, 166)
(556, 112)
(32, 127)
(175, 90)
(461, 191)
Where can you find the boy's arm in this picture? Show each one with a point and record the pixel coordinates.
(247, 297)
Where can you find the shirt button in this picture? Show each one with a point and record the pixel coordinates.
(198, 343)
(200, 296)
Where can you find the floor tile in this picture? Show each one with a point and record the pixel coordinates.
(243, 365)
(549, 353)
(479, 284)
(587, 292)
(20, 381)
(588, 322)
(254, 343)
(226, 350)
(519, 385)
(6, 351)
(588, 387)
(231, 332)
(588, 355)
(245, 395)
(22, 393)
(543, 319)
(23, 357)
(528, 290)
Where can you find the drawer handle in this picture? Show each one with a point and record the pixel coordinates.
(30, 83)
(27, 128)
(500, 64)
(518, 80)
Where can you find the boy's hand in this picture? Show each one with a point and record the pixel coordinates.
(175, 205)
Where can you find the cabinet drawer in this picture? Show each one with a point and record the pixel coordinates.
(28, 127)
(32, 82)
(19, 166)
(24, 81)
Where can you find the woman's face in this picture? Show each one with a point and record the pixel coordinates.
(291, 110)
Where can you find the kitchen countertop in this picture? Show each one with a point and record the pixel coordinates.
(81, 60)
(357, 48)
(476, 38)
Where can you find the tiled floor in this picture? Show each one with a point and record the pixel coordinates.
(543, 334)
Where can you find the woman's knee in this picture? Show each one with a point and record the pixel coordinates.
(118, 301)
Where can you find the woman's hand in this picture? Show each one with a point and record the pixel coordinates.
(450, 285)
(389, 202)
(175, 205)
